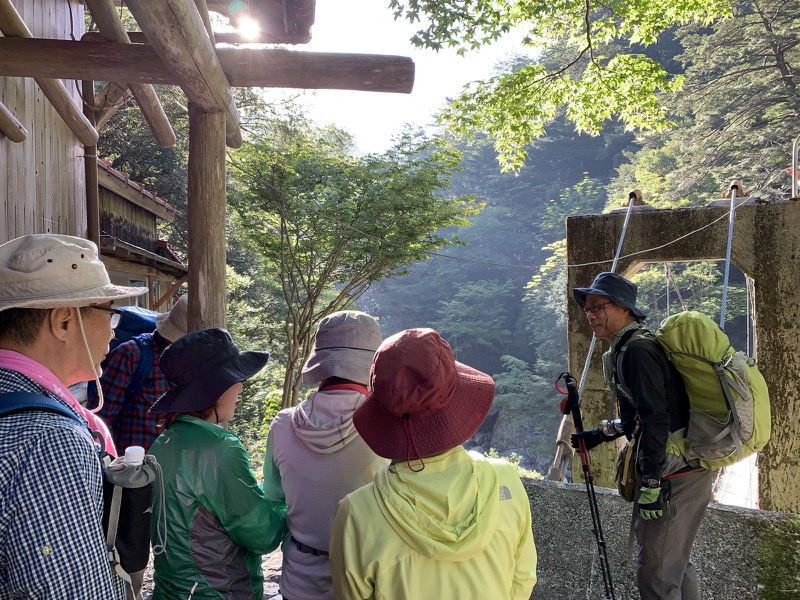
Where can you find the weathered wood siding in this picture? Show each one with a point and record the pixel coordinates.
(127, 221)
(42, 183)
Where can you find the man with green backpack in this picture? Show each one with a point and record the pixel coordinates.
(670, 495)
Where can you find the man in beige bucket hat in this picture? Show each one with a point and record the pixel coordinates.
(56, 322)
(125, 407)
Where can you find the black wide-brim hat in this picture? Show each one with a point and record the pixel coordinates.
(200, 367)
(613, 286)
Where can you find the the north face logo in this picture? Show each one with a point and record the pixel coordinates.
(505, 493)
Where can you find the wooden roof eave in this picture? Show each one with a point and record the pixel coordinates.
(121, 188)
(176, 31)
(111, 28)
(12, 26)
(111, 246)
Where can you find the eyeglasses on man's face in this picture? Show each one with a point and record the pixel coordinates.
(115, 316)
(596, 308)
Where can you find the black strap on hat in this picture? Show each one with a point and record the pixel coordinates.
(411, 444)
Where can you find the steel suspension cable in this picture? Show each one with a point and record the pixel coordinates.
(585, 372)
(731, 215)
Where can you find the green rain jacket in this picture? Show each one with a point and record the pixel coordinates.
(459, 528)
(218, 521)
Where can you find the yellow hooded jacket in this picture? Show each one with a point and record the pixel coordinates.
(458, 529)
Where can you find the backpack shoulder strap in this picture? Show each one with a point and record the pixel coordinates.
(17, 402)
(145, 366)
(634, 334)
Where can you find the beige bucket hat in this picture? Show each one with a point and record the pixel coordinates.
(53, 271)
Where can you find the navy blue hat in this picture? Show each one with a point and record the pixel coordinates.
(619, 290)
(200, 367)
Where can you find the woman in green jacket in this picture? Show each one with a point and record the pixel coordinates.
(218, 521)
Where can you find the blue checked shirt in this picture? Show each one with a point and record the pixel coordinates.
(52, 544)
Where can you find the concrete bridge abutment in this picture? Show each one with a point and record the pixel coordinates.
(766, 247)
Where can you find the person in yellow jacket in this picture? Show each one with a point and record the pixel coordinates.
(439, 522)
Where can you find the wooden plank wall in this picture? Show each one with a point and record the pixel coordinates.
(42, 182)
(127, 221)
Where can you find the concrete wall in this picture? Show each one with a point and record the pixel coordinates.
(766, 247)
(740, 554)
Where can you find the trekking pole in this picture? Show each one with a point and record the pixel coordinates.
(572, 405)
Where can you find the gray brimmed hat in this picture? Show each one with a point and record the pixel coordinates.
(615, 287)
(52, 271)
(344, 347)
(172, 324)
(200, 366)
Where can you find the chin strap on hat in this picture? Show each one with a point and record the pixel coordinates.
(411, 444)
(100, 398)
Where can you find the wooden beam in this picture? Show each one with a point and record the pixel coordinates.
(111, 28)
(10, 126)
(172, 289)
(220, 37)
(176, 31)
(12, 26)
(244, 67)
(109, 101)
(202, 8)
(207, 295)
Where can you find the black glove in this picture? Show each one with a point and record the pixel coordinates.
(592, 438)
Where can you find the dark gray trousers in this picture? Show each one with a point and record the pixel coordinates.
(664, 570)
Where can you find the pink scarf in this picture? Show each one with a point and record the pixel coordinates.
(14, 361)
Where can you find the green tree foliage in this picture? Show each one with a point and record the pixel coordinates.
(475, 303)
(516, 386)
(474, 294)
(737, 114)
(329, 224)
(601, 71)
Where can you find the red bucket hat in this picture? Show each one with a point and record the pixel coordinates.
(422, 402)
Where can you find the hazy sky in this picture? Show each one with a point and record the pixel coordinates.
(368, 27)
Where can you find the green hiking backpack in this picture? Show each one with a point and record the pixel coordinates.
(729, 409)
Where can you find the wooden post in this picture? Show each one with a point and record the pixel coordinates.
(207, 291)
(90, 166)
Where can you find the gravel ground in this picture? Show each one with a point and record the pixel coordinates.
(272, 573)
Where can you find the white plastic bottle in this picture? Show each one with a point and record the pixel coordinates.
(134, 455)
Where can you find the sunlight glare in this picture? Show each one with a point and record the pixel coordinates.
(249, 28)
